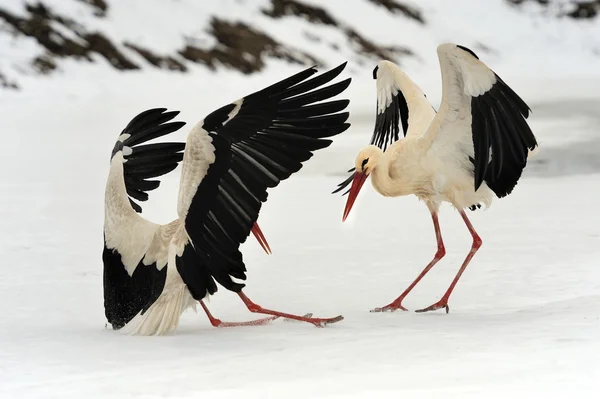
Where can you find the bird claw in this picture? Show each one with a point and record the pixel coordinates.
(324, 322)
(317, 321)
(308, 315)
(435, 306)
(258, 322)
(388, 308)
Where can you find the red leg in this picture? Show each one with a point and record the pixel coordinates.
(441, 251)
(219, 323)
(443, 303)
(254, 308)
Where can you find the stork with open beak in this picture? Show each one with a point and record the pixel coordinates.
(473, 149)
(153, 272)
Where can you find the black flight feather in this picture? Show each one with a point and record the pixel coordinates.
(272, 132)
(499, 127)
(149, 160)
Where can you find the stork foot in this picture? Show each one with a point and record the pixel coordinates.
(442, 304)
(259, 322)
(254, 308)
(293, 320)
(307, 318)
(220, 324)
(323, 322)
(392, 307)
(318, 322)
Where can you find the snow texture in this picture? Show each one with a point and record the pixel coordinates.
(523, 319)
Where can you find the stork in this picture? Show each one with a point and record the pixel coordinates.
(152, 272)
(473, 149)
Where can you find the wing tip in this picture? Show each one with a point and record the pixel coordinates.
(468, 50)
(342, 66)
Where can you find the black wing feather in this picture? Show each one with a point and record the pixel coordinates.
(387, 122)
(317, 95)
(481, 143)
(140, 184)
(273, 131)
(148, 161)
(499, 123)
(329, 107)
(313, 83)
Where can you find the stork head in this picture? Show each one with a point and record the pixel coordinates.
(367, 159)
(365, 162)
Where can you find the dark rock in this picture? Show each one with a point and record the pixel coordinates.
(100, 44)
(163, 62)
(243, 48)
(100, 6)
(44, 64)
(6, 84)
(585, 10)
(542, 2)
(281, 8)
(395, 7)
(38, 26)
(380, 52)
(576, 10)
(317, 15)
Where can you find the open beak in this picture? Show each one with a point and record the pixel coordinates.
(261, 238)
(359, 179)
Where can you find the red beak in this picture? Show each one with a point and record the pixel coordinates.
(261, 238)
(359, 179)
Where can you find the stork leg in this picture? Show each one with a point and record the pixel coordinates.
(218, 323)
(441, 251)
(443, 303)
(254, 308)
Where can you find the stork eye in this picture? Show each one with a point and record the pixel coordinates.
(364, 162)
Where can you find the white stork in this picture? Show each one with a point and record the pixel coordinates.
(153, 272)
(475, 147)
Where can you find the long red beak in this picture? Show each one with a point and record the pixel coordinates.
(359, 179)
(261, 238)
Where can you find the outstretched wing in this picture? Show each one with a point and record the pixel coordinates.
(144, 162)
(481, 121)
(135, 249)
(392, 108)
(235, 155)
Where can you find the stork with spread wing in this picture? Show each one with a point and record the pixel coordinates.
(153, 272)
(474, 149)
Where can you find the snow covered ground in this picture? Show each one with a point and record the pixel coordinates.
(524, 319)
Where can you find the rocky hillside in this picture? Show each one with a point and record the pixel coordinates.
(236, 44)
(43, 37)
(576, 9)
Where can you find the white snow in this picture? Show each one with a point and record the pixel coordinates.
(523, 319)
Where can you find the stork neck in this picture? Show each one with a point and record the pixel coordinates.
(383, 181)
(116, 201)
